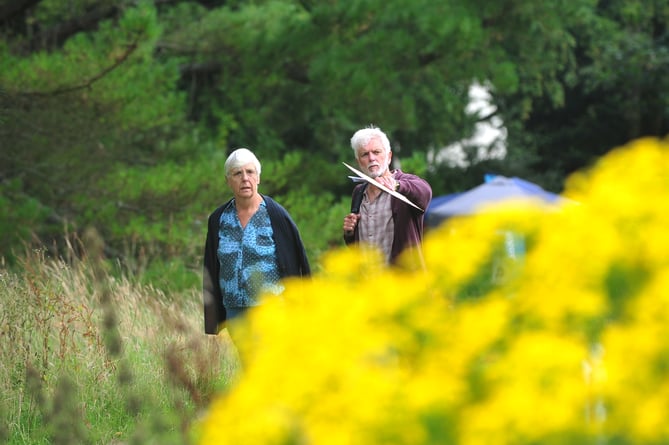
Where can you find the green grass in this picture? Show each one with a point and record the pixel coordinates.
(88, 358)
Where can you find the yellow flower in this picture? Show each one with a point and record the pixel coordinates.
(564, 341)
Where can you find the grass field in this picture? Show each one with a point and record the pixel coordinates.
(91, 358)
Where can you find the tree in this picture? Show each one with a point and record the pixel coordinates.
(120, 114)
(617, 92)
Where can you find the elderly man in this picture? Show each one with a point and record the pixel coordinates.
(377, 218)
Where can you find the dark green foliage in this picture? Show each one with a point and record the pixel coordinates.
(119, 115)
(615, 92)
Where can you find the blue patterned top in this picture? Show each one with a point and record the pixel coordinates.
(247, 258)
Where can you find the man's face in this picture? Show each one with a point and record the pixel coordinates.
(243, 181)
(373, 159)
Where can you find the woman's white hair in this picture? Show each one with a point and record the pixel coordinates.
(240, 158)
(364, 135)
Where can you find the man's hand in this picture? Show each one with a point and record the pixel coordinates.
(350, 221)
(388, 181)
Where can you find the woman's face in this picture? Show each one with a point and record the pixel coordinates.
(243, 181)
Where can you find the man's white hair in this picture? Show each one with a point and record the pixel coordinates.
(364, 135)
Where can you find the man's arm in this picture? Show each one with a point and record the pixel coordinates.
(415, 188)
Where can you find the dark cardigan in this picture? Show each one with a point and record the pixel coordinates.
(290, 252)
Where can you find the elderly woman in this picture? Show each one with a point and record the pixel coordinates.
(252, 243)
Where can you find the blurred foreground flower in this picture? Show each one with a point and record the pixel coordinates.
(569, 346)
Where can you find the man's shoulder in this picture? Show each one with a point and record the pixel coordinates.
(399, 174)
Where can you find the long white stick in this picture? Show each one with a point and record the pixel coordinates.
(397, 195)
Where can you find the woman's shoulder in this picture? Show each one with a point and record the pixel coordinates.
(272, 205)
(219, 210)
(276, 210)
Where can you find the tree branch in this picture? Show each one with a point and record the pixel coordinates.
(88, 83)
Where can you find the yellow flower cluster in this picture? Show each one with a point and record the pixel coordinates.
(568, 343)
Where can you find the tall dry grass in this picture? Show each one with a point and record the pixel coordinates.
(87, 357)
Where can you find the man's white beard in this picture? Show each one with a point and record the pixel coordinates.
(377, 173)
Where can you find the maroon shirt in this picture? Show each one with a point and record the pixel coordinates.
(408, 220)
